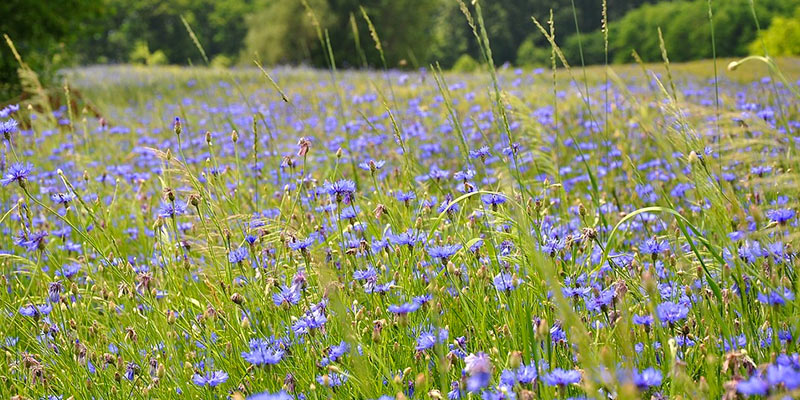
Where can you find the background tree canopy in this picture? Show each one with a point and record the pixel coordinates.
(413, 33)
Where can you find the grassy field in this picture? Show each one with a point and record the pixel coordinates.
(195, 233)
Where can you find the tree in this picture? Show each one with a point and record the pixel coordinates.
(41, 32)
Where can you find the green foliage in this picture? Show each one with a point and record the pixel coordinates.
(781, 39)
(531, 54)
(141, 55)
(219, 26)
(282, 32)
(41, 31)
(465, 63)
(685, 26)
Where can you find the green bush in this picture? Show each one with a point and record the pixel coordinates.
(529, 54)
(283, 32)
(686, 30)
(781, 39)
(465, 63)
(141, 55)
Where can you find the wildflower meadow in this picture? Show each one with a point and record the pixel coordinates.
(623, 232)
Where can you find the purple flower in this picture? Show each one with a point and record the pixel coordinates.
(238, 255)
(35, 241)
(62, 198)
(653, 247)
(8, 110)
(429, 338)
(35, 311)
(371, 165)
(211, 379)
(171, 209)
(482, 153)
(264, 352)
(8, 127)
(301, 245)
(18, 172)
(753, 386)
(493, 199)
(341, 190)
(527, 373)
(775, 298)
(648, 378)
(504, 282)
(669, 312)
(443, 252)
(783, 374)
(332, 379)
(289, 295)
(781, 215)
(270, 396)
(479, 369)
(560, 377)
(404, 308)
(408, 238)
(645, 320)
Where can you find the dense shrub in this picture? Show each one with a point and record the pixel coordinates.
(781, 39)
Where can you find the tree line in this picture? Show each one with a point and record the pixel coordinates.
(412, 33)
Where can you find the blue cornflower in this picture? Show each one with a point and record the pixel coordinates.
(301, 245)
(32, 310)
(784, 375)
(560, 377)
(755, 386)
(405, 197)
(238, 255)
(369, 274)
(62, 198)
(479, 369)
(289, 295)
(263, 352)
(653, 247)
(645, 320)
(408, 238)
(332, 379)
(18, 172)
(601, 301)
(553, 245)
(775, 298)
(482, 153)
(670, 313)
(282, 395)
(335, 352)
(527, 373)
(429, 338)
(504, 282)
(69, 270)
(647, 193)
(760, 170)
(131, 370)
(341, 190)
(781, 215)
(171, 209)
(8, 110)
(493, 199)
(35, 241)
(443, 252)
(8, 127)
(404, 308)
(648, 378)
(371, 165)
(211, 379)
